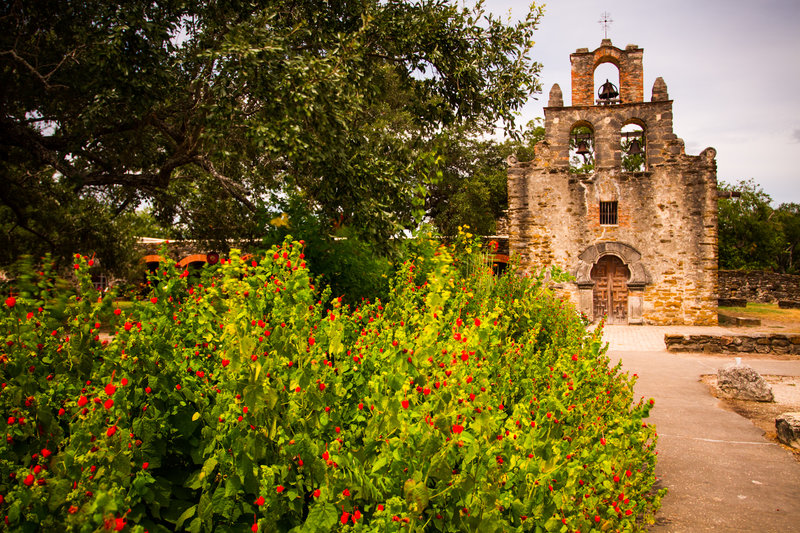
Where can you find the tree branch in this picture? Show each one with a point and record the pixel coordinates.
(44, 79)
(231, 187)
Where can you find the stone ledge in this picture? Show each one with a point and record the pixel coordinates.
(732, 302)
(738, 321)
(766, 343)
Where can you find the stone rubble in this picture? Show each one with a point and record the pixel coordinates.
(788, 428)
(742, 382)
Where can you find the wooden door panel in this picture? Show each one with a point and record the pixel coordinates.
(611, 289)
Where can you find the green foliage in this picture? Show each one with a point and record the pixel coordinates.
(750, 236)
(336, 256)
(472, 187)
(788, 216)
(204, 110)
(462, 402)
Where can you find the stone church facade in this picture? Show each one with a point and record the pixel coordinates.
(636, 226)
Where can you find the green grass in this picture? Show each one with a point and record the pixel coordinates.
(768, 313)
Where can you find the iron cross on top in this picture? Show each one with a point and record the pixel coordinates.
(606, 21)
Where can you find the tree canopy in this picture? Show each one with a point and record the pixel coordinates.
(212, 113)
(755, 236)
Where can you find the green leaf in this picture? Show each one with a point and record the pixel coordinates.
(321, 518)
(187, 514)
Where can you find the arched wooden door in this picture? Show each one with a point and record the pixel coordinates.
(610, 277)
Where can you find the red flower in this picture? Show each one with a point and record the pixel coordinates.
(28, 480)
(380, 507)
(317, 493)
(254, 529)
(457, 428)
(226, 362)
(279, 488)
(108, 404)
(259, 501)
(83, 400)
(145, 465)
(11, 301)
(46, 453)
(356, 515)
(118, 311)
(405, 404)
(346, 492)
(154, 300)
(110, 432)
(345, 517)
(111, 389)
(311, 341)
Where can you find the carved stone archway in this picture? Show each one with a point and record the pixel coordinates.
(639, 277)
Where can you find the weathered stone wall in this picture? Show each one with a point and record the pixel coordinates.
(767, 343)
(667, 225)
(758, 285)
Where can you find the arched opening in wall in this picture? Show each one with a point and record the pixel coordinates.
(581, 148)
(195, 269)
(633, 145)
(610, 292)
(606, 83)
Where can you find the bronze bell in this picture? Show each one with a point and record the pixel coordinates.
(583, 148)
(635, 148)
(608, 91)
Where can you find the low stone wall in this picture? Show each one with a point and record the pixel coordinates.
(765, 343)
(758, 285)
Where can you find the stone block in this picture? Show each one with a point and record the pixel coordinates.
(787, 426)
(742, 382)
(789, 304)
(732, 302)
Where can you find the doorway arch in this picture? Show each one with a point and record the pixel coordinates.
(636, 278)
(610, 291)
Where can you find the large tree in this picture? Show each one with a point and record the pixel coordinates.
(750, 235)
(472, 189)
(213, 112)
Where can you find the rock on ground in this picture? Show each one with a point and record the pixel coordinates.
(788, 428)
(741, 382)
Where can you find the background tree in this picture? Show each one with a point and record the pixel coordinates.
(208, 112)
(788, 216)
(750, 235)
(473, 186)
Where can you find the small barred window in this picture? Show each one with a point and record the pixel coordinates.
(608, 213)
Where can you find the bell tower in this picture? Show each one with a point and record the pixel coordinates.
(612, 197)
(628, 61)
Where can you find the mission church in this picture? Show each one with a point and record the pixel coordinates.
(612, 197)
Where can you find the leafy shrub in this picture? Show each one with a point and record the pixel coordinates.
(249, 401)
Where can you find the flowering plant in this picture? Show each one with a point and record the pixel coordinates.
(251, 400)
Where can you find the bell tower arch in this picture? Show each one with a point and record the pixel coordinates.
(628, 61)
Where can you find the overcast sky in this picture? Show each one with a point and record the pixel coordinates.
(732, 69)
